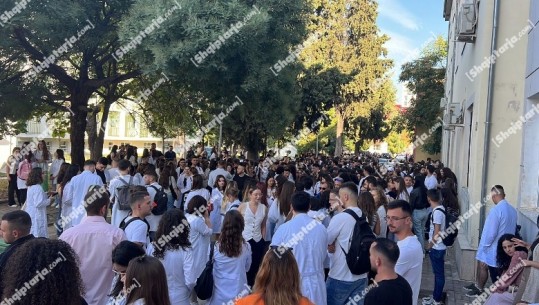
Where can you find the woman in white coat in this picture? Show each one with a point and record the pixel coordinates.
(217, 196)
(66, 193)
(36, 203)
(232, 260)
(200, 232)
(173, 249)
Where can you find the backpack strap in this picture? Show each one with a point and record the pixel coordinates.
(353, 214)
(133, 219)
(432, 214)
(211, 251)
(155, 188)
(357, 218)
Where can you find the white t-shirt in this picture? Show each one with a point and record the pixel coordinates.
(137, 232)
(438, 217)
(340, 231)
(410, 263)
(152, 219)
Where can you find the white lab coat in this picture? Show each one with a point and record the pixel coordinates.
(67, 206)
(36, 206)
(310, 252)
(215, 215)
(80, 184)
(199, 236)
(502, 219)
(180, 274)
(230, 275)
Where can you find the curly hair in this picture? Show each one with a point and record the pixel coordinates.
(231, 239)
(172, 233)
(50, 267)
(35, 176)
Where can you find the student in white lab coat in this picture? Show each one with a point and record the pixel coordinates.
(80, 184)
(308, 239)
(232, 260)
(176, 255)
(37, 202)
(217, 197)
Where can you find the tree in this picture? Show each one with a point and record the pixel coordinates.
(59, 48)
(371, 119)
(203, 48)
(349, 41)
(397, 142)
(425, 78)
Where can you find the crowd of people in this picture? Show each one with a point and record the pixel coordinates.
(314, 230)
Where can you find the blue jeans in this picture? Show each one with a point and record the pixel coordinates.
(437, 262)
(346, 293)
(170, 203)
(419, 218)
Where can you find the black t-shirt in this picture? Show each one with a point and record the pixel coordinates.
(241, 184)
(390, 292)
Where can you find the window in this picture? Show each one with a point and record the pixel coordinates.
(130, 127)
(114, 124)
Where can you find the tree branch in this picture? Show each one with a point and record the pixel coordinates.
(36, 55)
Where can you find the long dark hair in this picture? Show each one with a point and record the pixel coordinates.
(285, 197)
(62, 172)
(71, 172)
(449, 200)
(366, 203)
(502, 259)
(216, 184)
(172, 221)
(146, 279)
(60, 154)
(231, 238)
(164, 177)
(63, 284)
(121, 255)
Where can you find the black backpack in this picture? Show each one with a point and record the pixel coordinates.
(448, 236)
(122, 195)
(161, 199)
(357, 258)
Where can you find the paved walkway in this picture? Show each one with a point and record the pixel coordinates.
(454, 292)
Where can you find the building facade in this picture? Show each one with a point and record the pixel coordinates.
(124, 126)
(491, 83)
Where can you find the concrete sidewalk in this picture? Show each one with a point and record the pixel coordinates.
(454, 292)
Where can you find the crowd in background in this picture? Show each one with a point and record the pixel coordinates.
(277, 231)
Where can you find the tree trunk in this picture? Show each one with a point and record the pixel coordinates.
(339, 135)
(76, 136)
(97, 152)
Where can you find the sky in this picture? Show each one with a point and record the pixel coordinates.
(410, 24)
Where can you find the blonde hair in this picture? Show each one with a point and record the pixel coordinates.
(278, 280)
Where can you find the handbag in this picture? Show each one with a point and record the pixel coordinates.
(204, 285)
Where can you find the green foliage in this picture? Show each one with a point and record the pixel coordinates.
(397, 142)
(349, 44)
(425, 78)
(77, 38)
(240, 67)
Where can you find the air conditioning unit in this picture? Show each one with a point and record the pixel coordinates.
(443, 102)
(466, 22)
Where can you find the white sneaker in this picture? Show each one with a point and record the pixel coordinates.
(430, 301)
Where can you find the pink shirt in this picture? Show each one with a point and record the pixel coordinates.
(93, 240)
